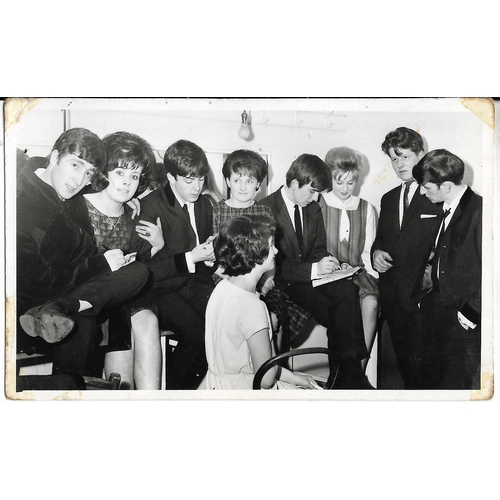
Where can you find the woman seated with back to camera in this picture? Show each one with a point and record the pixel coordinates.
(238, 333)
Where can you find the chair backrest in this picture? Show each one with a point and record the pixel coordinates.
(334, 368)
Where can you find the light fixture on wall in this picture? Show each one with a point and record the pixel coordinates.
(244, 131)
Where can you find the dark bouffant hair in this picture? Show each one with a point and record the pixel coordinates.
(126, 150)
(243, 243)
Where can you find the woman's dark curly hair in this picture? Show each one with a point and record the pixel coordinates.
(243, 243)
(126, 150)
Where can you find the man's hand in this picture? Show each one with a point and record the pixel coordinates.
(327, 265)
(203, 252)
(382, 261)
(115, 259)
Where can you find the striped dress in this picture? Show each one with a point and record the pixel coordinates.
(350, 232)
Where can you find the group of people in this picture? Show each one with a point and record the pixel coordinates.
(238, 280)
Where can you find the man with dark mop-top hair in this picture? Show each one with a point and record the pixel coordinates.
(183, 280)
(62, 282)
(451, 311)
(302, 256)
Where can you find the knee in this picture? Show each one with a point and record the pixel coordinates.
(146, 323)
(370, 303)
(142, 273)
(134, 275)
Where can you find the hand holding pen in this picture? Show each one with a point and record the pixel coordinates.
(328, 264)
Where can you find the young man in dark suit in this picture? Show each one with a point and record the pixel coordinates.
(183, 281)
(452, 309)
(405, 236)
(302, 256)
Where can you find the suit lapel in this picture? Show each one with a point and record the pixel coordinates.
(172, 200)
(201, 220)
(284, 217)
(462, 204)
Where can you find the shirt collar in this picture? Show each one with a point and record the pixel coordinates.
(290, 205)
(181, 203)
(454, 204)
(333, 201)
(413, 186)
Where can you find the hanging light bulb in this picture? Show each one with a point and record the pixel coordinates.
(244, 131)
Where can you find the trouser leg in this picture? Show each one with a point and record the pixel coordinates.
(76, 353)
(113, 289)
(184, 313)
(335, 306)
(406, 335)
(457, 351)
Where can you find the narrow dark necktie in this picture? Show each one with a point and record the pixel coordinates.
(185, 208)
(435, 263)
(298, 226)
(406, 201)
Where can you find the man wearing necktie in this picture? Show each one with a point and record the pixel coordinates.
(303, 256)
(406, 231)
(183, 282)
(452, 309)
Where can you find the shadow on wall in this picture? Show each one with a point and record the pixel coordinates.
(363, 174)
(210, 188)
(469, 174)
(21, 159)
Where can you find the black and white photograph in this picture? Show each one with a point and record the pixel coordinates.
(317, 324)
(249, 249)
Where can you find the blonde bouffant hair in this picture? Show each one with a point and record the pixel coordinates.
(342, 160)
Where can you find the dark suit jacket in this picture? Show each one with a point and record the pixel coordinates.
(292, 264)
(460, 258)
(169, 265)
(409, 246)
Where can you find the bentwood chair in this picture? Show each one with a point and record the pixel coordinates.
(274, 361)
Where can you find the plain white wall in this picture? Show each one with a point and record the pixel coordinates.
(283, 129)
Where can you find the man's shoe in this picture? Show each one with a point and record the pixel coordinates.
(48, 322)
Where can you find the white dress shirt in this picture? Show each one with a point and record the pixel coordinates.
(190, 206)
